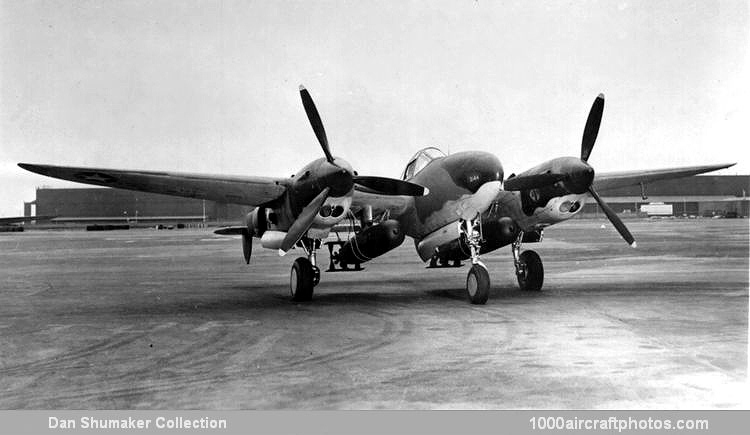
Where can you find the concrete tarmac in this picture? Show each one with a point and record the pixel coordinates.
(145, 319)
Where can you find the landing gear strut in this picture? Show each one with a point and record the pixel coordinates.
(529, 269)
(305, 273)
(478, 279)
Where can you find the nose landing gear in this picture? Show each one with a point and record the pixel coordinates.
(478, 279)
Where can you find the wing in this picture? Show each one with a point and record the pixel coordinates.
(229, 189)
(613, 180)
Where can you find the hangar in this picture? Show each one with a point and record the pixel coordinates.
(711, 195)
(704, 195)
(105, 204)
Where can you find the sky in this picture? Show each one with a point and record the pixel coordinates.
(212, 86)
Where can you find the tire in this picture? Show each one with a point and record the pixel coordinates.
(478, 284)
(301, 280)
(316, 276)
(531, 277)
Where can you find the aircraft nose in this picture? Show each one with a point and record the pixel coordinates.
(472, 169)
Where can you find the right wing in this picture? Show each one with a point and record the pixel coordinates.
(613, 180)
(229, 189)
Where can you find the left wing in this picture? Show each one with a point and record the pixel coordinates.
(236, 190)
(613, 180)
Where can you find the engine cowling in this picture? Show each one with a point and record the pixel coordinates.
(371, 242)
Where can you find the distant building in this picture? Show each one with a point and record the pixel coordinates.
(118, 204)
(705, 195)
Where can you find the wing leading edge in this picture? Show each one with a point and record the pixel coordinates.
(613, 180)
(229, 189)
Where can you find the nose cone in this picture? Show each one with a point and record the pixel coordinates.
(579, 176)
(472, 169)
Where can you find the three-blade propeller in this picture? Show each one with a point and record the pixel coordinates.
(587, 145)
(343, 181)
(381, 185)
(577, 174)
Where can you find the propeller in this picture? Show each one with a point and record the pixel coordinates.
(390, 186)
(587, 145)
(339, 180)
(576, 174)
(303, 222)
(380, 185)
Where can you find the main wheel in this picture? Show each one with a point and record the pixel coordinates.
(301, 281)
(478, 284)
(531, 273)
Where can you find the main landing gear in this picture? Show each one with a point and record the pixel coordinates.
(478, 279)
(529, 269)
(305, 272)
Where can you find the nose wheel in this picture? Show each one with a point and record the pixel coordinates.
(478, 284)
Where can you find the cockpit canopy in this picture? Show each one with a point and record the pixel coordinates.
(420, 160)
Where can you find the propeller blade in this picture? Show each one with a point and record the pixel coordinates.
(592, 127)
(619, 225)
(315, 122)
(303, 222)
(528, 182)
(247, 245)
(390, 186)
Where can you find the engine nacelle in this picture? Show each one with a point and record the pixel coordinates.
(371, 242)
